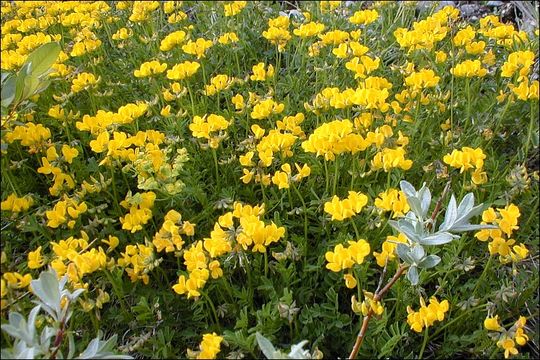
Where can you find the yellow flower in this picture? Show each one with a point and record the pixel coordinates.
(339, 259)
(84, 81)
(35, 260)
(197, 47)
(150, 68)
(350, 281)
(492, 323)
(259, 72)
(344, 209)
(183, 70)
(233, 7)
(469, 68)
(364, 17)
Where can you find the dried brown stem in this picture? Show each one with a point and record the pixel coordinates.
(438, 205)
(377, 297)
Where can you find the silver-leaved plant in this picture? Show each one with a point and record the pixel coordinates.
(420, 229)
(56, 301)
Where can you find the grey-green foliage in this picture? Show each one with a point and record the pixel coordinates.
(297, 350)
(420, 231)
(31, 78)
(29, 343)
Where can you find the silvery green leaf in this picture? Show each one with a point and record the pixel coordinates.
(407, 229)
(466, 204)
(403, 252)
(412, 275)
(46, 335)
(297, 351)
(71, 344)
(73, 296)
(416, 206)
(429, 262)
(32, 321)
(19, 351)
(425, 198)
(47, 290)
(91, 350)
(438, 238)
(407, 188)
(451, 214)
(417, 253)
(266, 346)
(464, 218)
(471, 227)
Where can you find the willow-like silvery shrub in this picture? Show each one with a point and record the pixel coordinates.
(56, 302)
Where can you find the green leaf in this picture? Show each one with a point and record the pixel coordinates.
(429, 262)
(8, 91)
(43, 57)
(412, 275)
(266, 346)
(437, 239)
(31, 83)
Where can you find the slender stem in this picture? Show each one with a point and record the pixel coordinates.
(304, 210)
(438, 205)
(211, 304)
(529, 133)
(214, 155)
(326, 177)
(336, 168)
(426, 337)
(377, 297)
(356, 232)
(265, 264)
(481, 279)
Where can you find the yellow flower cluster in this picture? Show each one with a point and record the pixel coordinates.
(283, 178)
(218, 83)
(367, 97)
(389, 246)
(342, 258)
(327, 6)
(346, 208)
(65, 211)
(351, 48)
(506, 220)
(422, 79)
(265, 108)
(62, 180)
(260, 73)
(197, 47)
(334, 138)
(309, 29)
(211, 127)
(169, 237)
(469, 68)
(17, 204)
(468, 158)
(228, 38)
(211, 343)
(426, 33)
(427, 315)
(393, 200)
(73, 257)
(183, 70)
(277, 32)
(504, 34)
(362, 66)
(150, 68)
(84, 81)
(138, 260)
(122, 34)
(140, 210)
(507, 339)
(364, 17)
(141, 10)
(12, 281)
(171, 40)
(368, 304)
(156, 170)
(232, 8)
(33, 136)
(103, 120)
(391, 158)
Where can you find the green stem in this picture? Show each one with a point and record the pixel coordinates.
(529, 133)
(426, 337)
(305, 213)
(327, 178)
(468, 89)
(481, 279)
(465, 313)
(212, 308)
(214, 155)
(336, 168)
(356, 232)
(265, 264)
